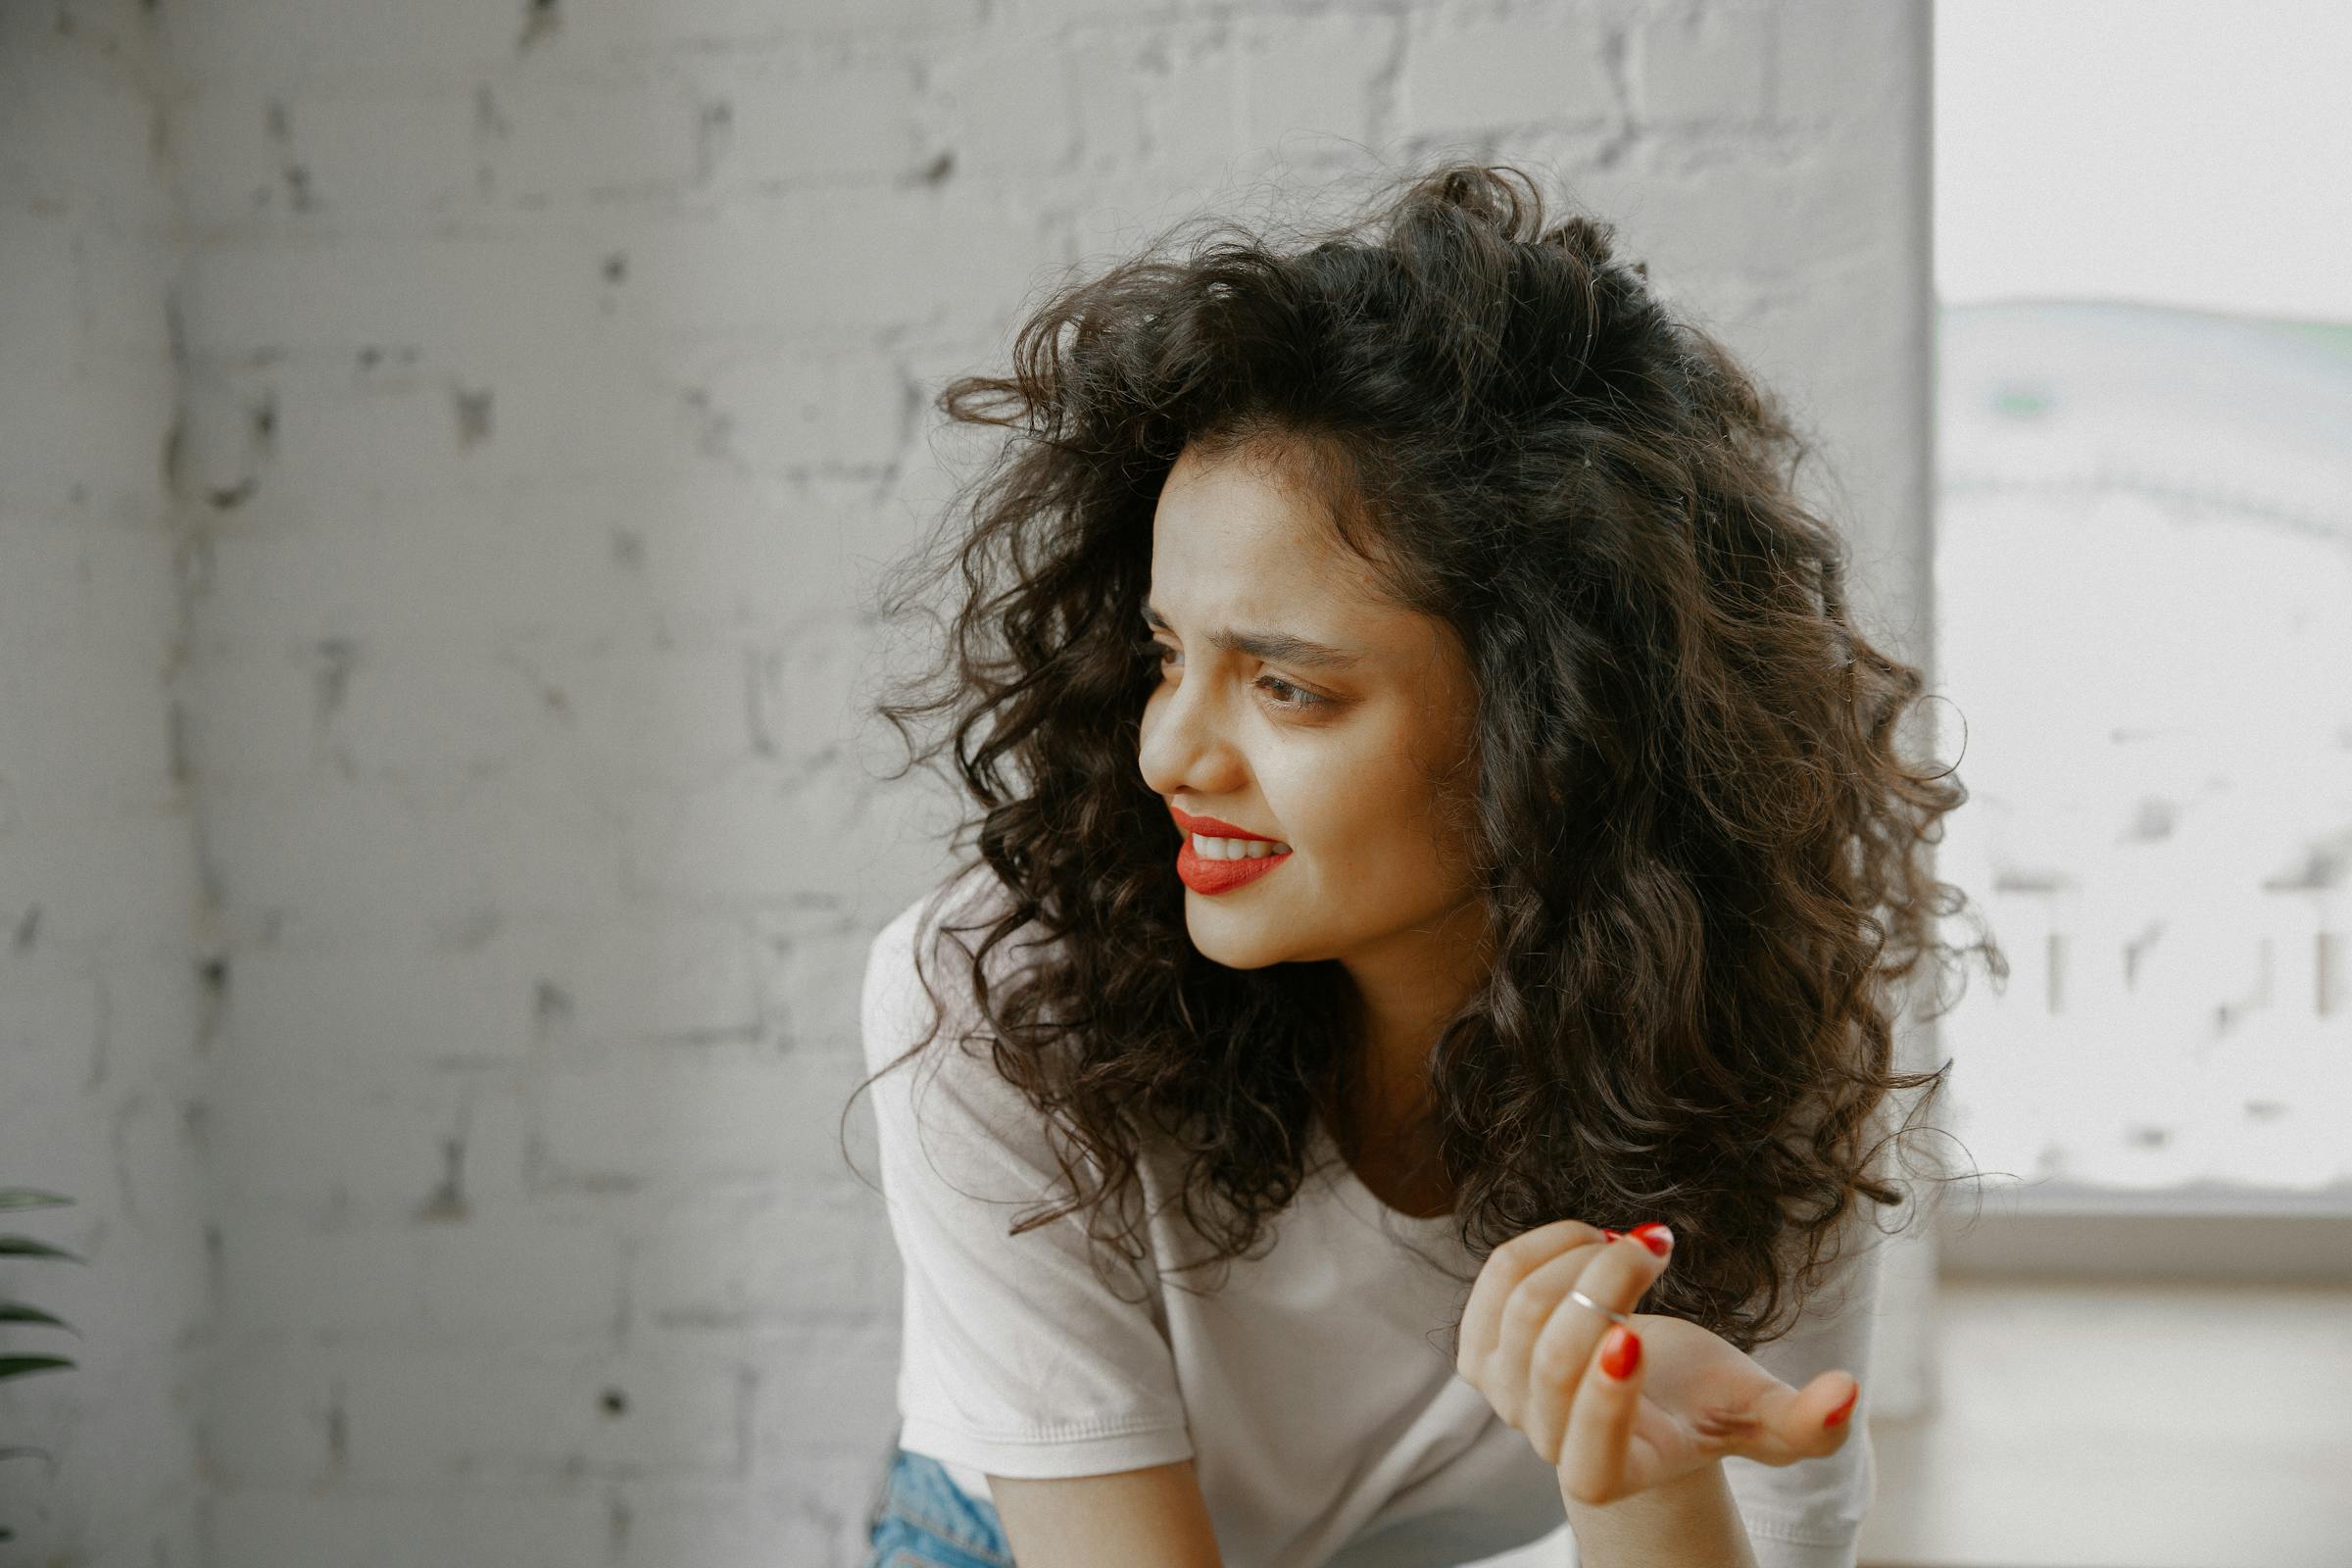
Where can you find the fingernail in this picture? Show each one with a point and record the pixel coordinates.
(1655, 1236)
(1610, 1234)
(1620, 1353)
(1844, 1411)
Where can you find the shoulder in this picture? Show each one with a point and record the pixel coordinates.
(958, 1109)
(920, 919)
(954, 918)
(919, 987)
(921, 958)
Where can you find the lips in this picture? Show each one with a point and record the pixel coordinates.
(1213, 827)
(1204, 876)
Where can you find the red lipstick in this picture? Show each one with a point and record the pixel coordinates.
(1203, 876)
(1212, 826)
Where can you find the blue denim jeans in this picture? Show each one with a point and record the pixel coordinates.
(926, 1521)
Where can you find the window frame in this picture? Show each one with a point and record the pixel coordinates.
(2203, 1231)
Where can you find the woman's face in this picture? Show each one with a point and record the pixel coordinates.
(1348, 760)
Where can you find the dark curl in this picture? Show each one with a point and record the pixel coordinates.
(1700, 849)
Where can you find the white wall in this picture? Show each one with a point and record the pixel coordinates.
(554, 382)
(105, 1016)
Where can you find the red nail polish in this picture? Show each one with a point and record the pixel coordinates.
(1620, 1351)
(1655, 1236)
(1610, 1234)
(1844, 1411)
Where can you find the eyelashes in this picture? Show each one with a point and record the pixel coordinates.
(1303, 698)
(1299, 699)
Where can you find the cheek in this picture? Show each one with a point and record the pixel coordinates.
(1424, 842)
(1364, 818)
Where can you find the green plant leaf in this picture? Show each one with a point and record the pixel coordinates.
(27, 1246)
(17, 1366)
(26, 1312)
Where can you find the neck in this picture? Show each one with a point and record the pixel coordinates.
(1395, 1004)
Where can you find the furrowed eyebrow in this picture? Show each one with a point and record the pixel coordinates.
(1274, 647)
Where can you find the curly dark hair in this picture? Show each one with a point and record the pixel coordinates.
(1700, 849)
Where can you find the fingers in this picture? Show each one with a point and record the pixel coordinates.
(1796, 1424)
(1500, 1275)
(1596, 1462)
(1561, 1335)
(1821, 1414)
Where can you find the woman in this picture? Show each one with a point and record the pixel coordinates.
(1436, 817)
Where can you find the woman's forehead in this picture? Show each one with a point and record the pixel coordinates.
(1233, 527)
(1242, 543)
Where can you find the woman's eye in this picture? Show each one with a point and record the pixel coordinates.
(1297, 700)
(1300, 698)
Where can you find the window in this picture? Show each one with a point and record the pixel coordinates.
(2143, 604)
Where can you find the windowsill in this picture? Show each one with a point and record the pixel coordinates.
(2207, 1232)
(2085, 1423)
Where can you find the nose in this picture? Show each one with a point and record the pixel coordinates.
(1183, 748)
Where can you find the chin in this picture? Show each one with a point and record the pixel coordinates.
(1223, 947)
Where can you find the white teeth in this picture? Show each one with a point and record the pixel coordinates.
(1209, 848)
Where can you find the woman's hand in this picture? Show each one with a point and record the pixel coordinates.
(1687, 1397)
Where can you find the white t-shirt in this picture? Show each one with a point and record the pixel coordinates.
(1315, 1392)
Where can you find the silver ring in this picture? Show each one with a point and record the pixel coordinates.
(1610, 1312)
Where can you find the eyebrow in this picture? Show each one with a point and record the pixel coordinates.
(1274, 647)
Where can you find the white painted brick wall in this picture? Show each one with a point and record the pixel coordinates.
(552, 384)
(104, 1019)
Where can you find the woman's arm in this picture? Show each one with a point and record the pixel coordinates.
(1148, 1518)
(1688, 1522)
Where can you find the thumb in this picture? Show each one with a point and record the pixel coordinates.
(1791, 1424)
(1816, 1419)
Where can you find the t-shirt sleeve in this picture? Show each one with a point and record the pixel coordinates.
(1016, 1359)
(1809, 1514)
